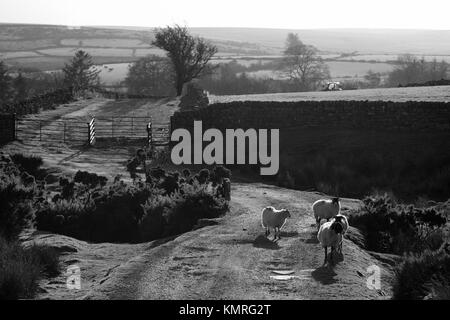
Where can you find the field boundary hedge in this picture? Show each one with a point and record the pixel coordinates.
(44, 101)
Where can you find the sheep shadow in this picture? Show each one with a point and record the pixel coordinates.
(325, 275)
(265, 243)
(313, 238)
(288, 234)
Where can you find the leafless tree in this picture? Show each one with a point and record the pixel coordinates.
(303, 64)
(189, 55)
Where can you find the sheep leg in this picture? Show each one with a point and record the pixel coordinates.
(275, 233)
(267, 232)
(326, 253)
(331, 255)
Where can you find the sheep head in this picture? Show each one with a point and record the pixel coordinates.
(335, 200)
(337, 227)
(286, 213)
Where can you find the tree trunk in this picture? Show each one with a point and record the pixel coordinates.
(179, 87)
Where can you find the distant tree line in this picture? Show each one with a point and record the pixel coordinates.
(227, 81)
(17, 86)
(410, 69)
(151, 75)
(17, 90)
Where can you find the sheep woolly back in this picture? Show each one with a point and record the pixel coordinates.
(272, 217)
(325, 209)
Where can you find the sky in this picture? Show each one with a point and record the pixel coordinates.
(284, 14)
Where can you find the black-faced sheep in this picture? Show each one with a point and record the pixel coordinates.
(330, 235)
(344, 222)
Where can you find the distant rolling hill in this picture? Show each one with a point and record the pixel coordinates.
(375, 41)
(364, 41)
(47, 47)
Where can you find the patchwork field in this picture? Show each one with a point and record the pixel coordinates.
(107, 43)
(48, 47)
(70, 51)
(339, 70)
(42, 47)
(114, 73)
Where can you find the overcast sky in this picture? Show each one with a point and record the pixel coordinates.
(290, 14)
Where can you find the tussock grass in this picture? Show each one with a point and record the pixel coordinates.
(21, 268)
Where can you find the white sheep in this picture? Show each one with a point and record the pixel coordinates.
(344, 222)
(330, 235)
(326, 209)
(273, 218)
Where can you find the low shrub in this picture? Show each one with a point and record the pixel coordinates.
(17, 194)
(439, 289)
(46, 257)
(141, 211)
(30, 164)
(394, 228)
(90, 179)
(102, 214)
(179, 212)
(152, 224)
(424, 275)
(21, 268)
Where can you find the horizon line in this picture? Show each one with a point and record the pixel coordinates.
(223, 27)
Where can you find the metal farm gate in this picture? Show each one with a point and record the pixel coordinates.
(79, 131)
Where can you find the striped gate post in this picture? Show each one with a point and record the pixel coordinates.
(91, 132)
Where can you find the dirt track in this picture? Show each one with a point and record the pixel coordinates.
(233, 260)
